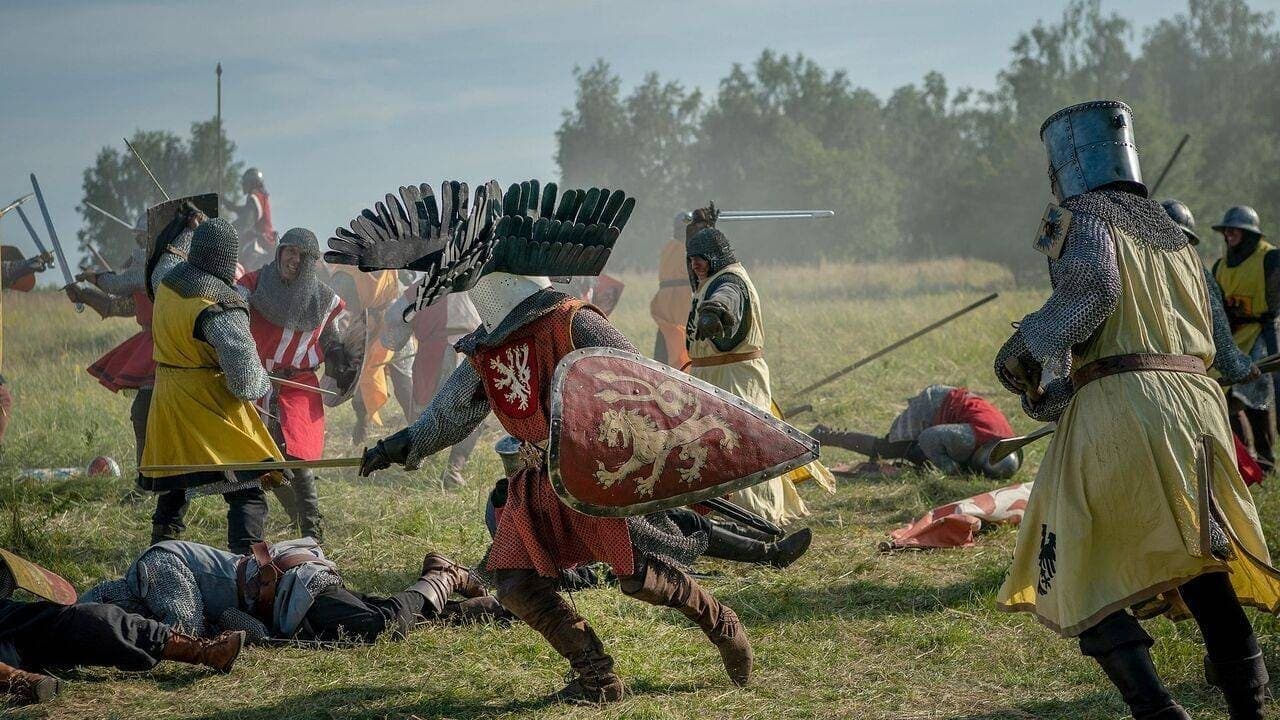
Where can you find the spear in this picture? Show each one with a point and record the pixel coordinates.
(1176, 151)
(150, 174)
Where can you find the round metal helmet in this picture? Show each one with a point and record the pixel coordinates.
(1242, 217)
(1182, 217)
(1091, 145)
(252, 178)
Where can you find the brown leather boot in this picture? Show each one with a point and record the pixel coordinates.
(25, 688)
(219, 653)
(660, 584)
(534, 600)
(464, 582)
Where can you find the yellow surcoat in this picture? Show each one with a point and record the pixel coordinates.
(1120, 509)
(194, 418)
(1245, 287)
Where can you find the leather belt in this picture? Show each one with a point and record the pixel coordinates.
(1137, 362)
(730, 358)
(261, 589)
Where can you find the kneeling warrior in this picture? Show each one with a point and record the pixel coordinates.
(527, 328)
(1138, 498)
(203, 590)
(55, 633)
(293, 318)
(949, 427)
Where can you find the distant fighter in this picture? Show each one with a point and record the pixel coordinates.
(204, 590)
(18, 274)
(253, 222)
(670, 305)
(948, 427)
(296, 322)
(725, 337)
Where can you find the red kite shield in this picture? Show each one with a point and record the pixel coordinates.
(17, 572)
(631, 436)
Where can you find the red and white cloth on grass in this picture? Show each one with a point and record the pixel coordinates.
(293, 355)
(954, 525)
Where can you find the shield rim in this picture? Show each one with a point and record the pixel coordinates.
(689, 498)
(329, 400)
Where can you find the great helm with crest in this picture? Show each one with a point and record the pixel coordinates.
(1091, 145)
(530, 232)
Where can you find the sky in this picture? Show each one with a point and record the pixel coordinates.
(339, 103)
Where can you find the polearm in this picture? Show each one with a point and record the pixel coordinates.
(150, 174)
(109, 215)
(739, 215)
(1176, 151)
(888, 349)
(1008, 446)
(53, 237)
(217, 172)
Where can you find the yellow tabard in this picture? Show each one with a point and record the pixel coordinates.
(774, 499)
(1120, 509)
(194, 418)
(1245, 286)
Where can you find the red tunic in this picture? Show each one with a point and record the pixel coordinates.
(263, 226)
(130, 364)
(962, 406)
(294, 356)
(535, 530)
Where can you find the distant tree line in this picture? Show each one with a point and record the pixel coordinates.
(931, 171)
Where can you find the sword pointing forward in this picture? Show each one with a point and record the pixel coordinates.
(269, 465)
(1004, 448)
(300, 386)
(53, 237)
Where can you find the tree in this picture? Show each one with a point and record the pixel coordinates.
(117, 183)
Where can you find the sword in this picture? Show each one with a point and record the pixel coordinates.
(109, 215)
(15, 204)
(32, 231)
(150, 174)
(269, 465)
(300, 386)
(888, 349)
(738, 215)
(53, 237)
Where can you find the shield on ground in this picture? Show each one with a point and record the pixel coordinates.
(631, 436)
(17, 572)
(355, 345)
(9, 253)
(159, 216)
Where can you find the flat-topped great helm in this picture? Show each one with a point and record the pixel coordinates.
(1091, 145)
(1241, 217)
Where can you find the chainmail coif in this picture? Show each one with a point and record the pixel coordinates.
(713, 246)
(299, 304)
(210, 268)
(1141, 218)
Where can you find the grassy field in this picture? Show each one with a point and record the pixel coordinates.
(847, 632)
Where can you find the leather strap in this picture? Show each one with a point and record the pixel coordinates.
(1137, 362)
(727, 359)
(262, 588)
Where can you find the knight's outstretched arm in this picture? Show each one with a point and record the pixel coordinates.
(458, 408)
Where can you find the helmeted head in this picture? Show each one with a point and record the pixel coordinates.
(708, 252)
(1182, 217)
(1090, 146)
(1239, 225)
(215, 249)
(251, 179)
(296, 254)
(701, 219)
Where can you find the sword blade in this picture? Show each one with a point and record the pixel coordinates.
(1008, 446)
(15, 204)
(269, 465)
(32, 231)
(301, 386)
(150, 174)
(740, 215)
(53, 237)
(109, 215)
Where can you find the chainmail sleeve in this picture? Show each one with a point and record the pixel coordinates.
(1057, 395)
(1086, 290)
(228, 332)
(172, 593)
(458, 408)
(237, 619)
(590, 329)
(1232, 364)
(126, 280)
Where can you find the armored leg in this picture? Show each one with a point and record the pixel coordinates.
(167, 521)
(246, 519)
(338, 613)
(302, 503)
(1233, 660)
(534, 599)
(1123, 649)
(659, 584)
(726, 543)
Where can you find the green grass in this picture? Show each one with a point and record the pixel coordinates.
(847, 632)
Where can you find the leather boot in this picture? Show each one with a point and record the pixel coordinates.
(1130, 669)
(25, 688)
(476, 610)
(726, 545)
(659, 584)
(219, 653)
(1243, 684)
(160, 532)
(534, 600)
(466, 584)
